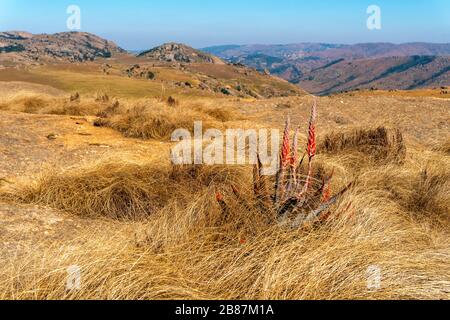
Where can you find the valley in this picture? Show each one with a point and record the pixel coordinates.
(329, 68)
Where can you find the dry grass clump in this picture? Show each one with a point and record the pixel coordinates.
(329, 262)
(109, 111)
(430, 193)
(46, 104)
(421, 193)
(102, 97)
(120, 190)
(220, 114)
(381, 144)
(443, 147)
(145, 119)
(28, 103)
(157, 121)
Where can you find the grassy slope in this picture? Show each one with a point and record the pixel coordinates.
(398, 219)
(418, 93)
(88, 79)
(92, 81)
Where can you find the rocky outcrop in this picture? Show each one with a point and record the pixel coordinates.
(15, 35)
(176, 52)
(7, 48)
(65, 46)
(142, 72)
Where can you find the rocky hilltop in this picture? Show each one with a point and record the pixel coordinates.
(65, 46)
(177, 52)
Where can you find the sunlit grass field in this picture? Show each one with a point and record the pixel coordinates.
(110, 202)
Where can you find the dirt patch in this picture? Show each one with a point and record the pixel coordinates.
(32, 143)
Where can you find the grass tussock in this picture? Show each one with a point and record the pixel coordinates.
(223, 115)
(443, 147)
(420, 192)
(380, 144)
(74, 105)
(159, 121)
(430, 193)
(120, 190)
(144, 119)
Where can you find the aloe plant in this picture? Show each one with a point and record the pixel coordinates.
(292, 197)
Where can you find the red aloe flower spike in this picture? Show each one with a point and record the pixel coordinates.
(285, 154)
(223, 206)
(311, 147)
(286, 149)
(295, 155)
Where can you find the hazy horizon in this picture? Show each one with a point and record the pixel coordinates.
(139, 25)
(243, 44)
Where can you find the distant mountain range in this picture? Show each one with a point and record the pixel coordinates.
(319, 68)
(326, 68)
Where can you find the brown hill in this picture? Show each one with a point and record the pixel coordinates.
(383, 73)
(66, 46)
(177, 52)
(328, 68)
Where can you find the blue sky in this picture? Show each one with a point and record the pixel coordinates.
(140, 24)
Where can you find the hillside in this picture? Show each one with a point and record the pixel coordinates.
(24, 47)
(384, 73)
(169, 69)
(88, 183)
(327, 68)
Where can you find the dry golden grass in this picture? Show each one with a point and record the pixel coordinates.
(29, 102)
(147, 122)
(158, 232)
(119, 190)
(443, 147)
(157, 120)
(191, 251)
(380, 143)
(143, 118)
(395, 218)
